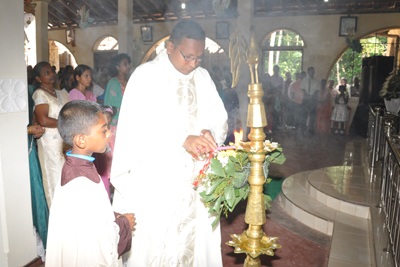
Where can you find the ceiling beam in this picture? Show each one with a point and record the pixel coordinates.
(134, 12)
(58, 11)
(172, 9)
(145, 9)
(156, 6)
(107, 10)
(68, 7)
(201, 7)
(52, 14)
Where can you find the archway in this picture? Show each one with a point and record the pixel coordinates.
(284, 48)
(104, 49)
(60, 56)
(379, 43)
(214, 53)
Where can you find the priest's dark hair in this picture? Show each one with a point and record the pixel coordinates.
(115, 61)
(77, 117)
(189, 29)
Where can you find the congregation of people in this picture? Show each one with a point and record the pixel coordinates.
(304, 104)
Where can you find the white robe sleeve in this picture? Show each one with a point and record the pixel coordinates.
(82, 231)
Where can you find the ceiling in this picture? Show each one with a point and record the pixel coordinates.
(63, 13)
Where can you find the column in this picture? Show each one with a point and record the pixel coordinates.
(125, 27)
(244, 22)
(17, 243)
(42, 36)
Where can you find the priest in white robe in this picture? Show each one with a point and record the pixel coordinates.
(170, 108)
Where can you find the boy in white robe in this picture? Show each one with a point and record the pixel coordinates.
(83, 229)
(170, 109)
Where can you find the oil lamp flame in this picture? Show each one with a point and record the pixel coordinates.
(238, 137)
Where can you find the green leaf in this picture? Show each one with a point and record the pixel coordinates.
(234, 159)
(240, 176)
(216, 168)
(230, 169)
(215, 222)
(217, 205)
(267, 199)
(203, 194)
(213, 186)
(230, 195)
(279, 158)
(239, 197)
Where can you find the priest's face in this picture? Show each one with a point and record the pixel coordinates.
(187, 55)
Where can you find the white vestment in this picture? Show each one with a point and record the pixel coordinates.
(82, 229)
(152, 173)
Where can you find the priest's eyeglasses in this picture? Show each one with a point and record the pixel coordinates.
(188, 58)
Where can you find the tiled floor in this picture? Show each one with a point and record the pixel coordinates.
(302, 245)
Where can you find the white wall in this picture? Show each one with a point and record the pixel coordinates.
(320, 33)
(18, 245)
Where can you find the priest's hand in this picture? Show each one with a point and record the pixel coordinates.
(200, 145)
(131, 219)
(207, 134)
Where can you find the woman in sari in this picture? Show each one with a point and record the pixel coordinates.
(40, 211)
(119, 70)
(324, 110)
(48, 103)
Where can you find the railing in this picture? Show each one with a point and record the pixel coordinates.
(390, 191)
(376, 141)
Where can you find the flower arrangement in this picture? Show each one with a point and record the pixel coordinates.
(225, 181)
(391, 87)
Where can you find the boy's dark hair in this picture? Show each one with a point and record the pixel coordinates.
(310, 68)
(78, 71)
(115, 61)
(77, 117)
(189, 29)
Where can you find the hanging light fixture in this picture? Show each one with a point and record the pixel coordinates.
(183, 4)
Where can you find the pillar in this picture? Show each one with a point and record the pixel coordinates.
(125, 27)
(17, 243)
(244, 21)
(42, 36)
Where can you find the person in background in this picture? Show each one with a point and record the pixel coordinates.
(219, 81)
(310, 87)
(343, 81)
(288, 103)
(82, 81)
(288, 81)
(324, 110)
(67, 82)
(279, 84)
(119, 69)
(295, 95)
(100, 85)
(340, 113)
(228, 76)
(355, 89)
(48, 103)
(40, 210)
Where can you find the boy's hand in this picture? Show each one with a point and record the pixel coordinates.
(131, 219)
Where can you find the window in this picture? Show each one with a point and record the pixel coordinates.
(108, 43)
(60, 56)
(285, 49)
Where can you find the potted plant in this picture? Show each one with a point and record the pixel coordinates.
(391, 92)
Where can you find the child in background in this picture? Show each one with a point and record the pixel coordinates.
(83, 229)
(103, 161)
(340, 113)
